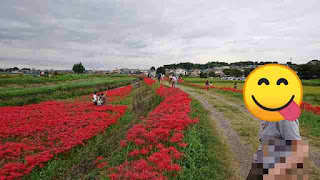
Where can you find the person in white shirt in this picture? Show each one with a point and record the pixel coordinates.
(174, 79)
(94, 99)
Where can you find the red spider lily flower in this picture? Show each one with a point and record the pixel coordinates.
(102, 165)
(99, 158)
(123, 143)
(149, 81)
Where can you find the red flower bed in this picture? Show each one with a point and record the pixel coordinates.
(31, 135)
(149, 81)
(180, 80)
(156, 139)
(228, 89)
(119, 93)
(309, 107)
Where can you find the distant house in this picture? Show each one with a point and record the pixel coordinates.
(195, 72)
(180, 72)
(169, 71)
(26, 70)
(116, 71)
(89, 71)
(219, 73)
(16, 72)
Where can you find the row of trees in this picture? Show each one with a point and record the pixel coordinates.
(310, 70)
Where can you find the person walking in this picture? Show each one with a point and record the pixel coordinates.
(159, 77)
(235, 85)
(207, 85)
(174, 80)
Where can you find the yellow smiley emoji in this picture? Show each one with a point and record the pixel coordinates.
(273, 92)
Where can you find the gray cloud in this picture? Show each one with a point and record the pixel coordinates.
(121, 33)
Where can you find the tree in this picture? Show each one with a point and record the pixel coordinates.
(203, 75)
(212, 74)
(247, 72)
(152, 68)
(161, 70)
(78, 68)
(232, 72)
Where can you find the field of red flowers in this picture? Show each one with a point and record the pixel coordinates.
(33, 134)
(156, 139)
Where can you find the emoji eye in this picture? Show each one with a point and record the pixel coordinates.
(263, 80)
(282, 80)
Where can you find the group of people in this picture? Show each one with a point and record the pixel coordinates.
(99, 98)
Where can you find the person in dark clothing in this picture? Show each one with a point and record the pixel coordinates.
(207, 85)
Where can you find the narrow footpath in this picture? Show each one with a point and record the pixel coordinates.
(242, 152)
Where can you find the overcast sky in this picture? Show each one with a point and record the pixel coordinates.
(108, 34)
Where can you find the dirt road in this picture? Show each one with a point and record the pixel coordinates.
(241, 152)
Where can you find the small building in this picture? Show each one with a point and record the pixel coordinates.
(195, 72)
(169, 71)
(219, 73)
(180, 72)
(116, 71)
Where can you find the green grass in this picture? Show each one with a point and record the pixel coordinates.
(311, 82)
(78, 163)
(311, 122)
(60, 87)
(206, 157)
(29, 79)
(60, 91)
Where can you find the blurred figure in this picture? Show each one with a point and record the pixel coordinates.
(173, 80)
(279, 154)
(94, 98)
(159, 77)
(207, 85)
(235, 85)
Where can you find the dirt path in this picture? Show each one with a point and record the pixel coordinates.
(314, 152)
(241, 151)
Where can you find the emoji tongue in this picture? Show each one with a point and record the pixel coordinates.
(291, 112)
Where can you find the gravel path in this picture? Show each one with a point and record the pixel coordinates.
(314, 152)
(241, 151)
